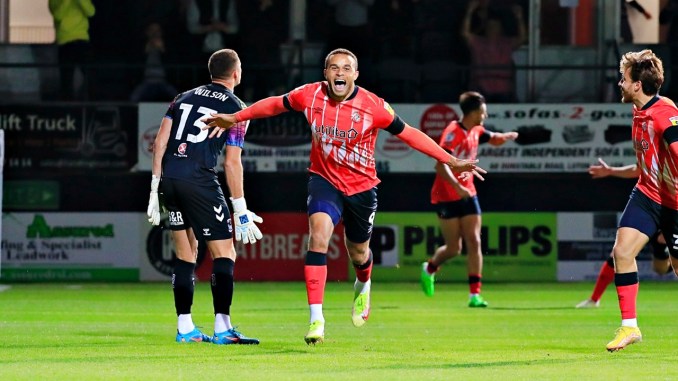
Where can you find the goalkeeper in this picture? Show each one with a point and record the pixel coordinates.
(184, 171)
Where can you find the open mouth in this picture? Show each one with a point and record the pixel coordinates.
(339, 84)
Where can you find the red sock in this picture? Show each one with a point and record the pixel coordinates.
(627, 292)
(474, 283)
(315, 276)
(605, 277)
(364, 271)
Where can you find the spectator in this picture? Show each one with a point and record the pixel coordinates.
(667, 13)
(434, 24)
(264, 26)
(215, 23)
(494, 48)
(479, 18)
(392, 39)
(626, 32)
(71, 23)
(352, 30)
(154, 86)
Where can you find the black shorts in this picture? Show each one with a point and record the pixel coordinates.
(459, 208)
(648, 217)
(202, 208)
(357, 211)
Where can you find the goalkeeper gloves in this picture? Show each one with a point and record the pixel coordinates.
(153, 211)
(245, 229)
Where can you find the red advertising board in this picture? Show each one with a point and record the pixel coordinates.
(280, 254)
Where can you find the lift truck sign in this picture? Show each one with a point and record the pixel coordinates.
(69, 137)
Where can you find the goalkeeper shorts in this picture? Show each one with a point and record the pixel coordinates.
(200, 207)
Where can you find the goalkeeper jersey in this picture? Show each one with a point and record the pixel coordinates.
(190, 154)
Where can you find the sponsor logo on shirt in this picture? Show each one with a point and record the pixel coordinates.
(181, 150)
(674, 120)
(334, 132)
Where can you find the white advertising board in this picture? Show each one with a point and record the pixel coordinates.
(72, 246)
(552, 138)
(585, 241)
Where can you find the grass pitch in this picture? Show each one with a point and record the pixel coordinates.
(529, 332)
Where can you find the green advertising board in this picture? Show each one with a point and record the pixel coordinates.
(516, 247)
(31, 194)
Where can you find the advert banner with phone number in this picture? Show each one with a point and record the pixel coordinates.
(69, 138)
(551, 138)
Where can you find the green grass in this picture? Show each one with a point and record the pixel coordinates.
(529, 332)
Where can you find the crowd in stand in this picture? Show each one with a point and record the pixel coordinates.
(145, 50)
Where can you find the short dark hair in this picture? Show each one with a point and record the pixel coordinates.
(471, 101)
(222, 63)
(645, 67)
(341, 51)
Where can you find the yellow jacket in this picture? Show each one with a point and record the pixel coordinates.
(71, 19)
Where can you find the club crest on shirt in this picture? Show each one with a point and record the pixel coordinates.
(674, 120)
(181, 150)
(355, 117)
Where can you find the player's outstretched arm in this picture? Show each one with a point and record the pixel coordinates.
(424, 144)
(499, 138)
(222, 122)
(604, 170)
(264, 108)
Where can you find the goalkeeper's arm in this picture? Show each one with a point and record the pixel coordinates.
(244, 220)
(159, 148)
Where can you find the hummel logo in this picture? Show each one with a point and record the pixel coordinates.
(219, 215)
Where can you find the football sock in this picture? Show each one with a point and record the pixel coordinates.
(627, 292)
(222, 285)
(474, 283)
(316, 312)
(185, 324)
(431, 268)
(222, 322)
(364, 271)
(605, 277)
(183, 284)
(315, 274)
